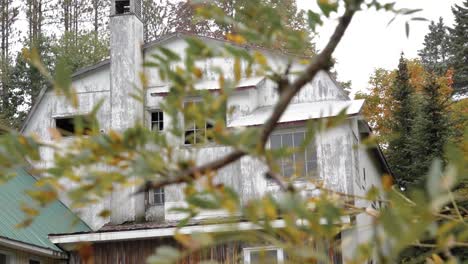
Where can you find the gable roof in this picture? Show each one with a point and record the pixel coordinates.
(165, 38)
(54, 218)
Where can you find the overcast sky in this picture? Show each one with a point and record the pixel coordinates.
(369, 43)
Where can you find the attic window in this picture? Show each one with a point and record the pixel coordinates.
(122, 6)
(70, 126)
(157, 121)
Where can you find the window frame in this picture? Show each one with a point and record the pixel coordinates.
(248, 250)
(312, 145)
(34, 259)
(159, 121)
(161, 192)
(10, 256)
(194, 129)
(72, 118)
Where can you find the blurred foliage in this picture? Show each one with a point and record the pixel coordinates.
(89, 167)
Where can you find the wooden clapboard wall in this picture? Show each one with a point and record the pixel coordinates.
(137, 251)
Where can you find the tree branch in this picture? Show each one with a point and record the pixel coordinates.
(319, 62)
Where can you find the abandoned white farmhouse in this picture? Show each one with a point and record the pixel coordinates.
(138, 223)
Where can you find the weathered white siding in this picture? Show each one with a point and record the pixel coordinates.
(336, 163)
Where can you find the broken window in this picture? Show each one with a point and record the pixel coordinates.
(303, 163)
(69, 126)
(122, 6)
(158, 196)
(196, 133)
(157, 121)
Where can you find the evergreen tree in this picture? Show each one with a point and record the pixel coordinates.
(435, 53)
(459, 48)
(80, 50)
(430, 128)
(399, 152)
(27, 82)
(8, 16)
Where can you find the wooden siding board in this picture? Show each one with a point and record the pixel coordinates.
(137, 251)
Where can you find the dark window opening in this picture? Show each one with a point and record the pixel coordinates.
(31, 261)
(3, 258)
(157, 121)
(122, 6)
(73, 125)
(158, 196)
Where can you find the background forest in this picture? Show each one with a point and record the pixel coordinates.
(422, 105)
(74, 34)
(415, 110)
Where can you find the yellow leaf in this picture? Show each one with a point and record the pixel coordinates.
(236, 38)
(105, 213)
(54, 133)
(437, 259)
(260, 58)
(221, 81)
(387, 182)
(237, 69)
(197, 72)
(29, 211)
(25, 223)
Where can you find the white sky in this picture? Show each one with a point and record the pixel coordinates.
(369, 43)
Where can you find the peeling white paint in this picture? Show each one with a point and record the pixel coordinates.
(114, 83)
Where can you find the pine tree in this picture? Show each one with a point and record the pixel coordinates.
(26, 83)
(80, 50)
(430, 128)
(459, 48)
(435, 54)
(399, 152)
(8, 16)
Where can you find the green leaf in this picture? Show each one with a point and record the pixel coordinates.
(434, 179)
(327, 6)
(419, 19)
(62, 76)
(313, 19)
(172, 56)
(410, 11)
(204, 201)
(165, 255)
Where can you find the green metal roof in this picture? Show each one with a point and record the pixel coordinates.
(55, 218)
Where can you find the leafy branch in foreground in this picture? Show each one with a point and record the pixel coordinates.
(303, 225)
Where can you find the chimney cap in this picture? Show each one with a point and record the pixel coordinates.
(122, 7)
